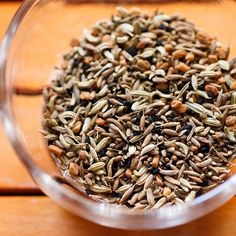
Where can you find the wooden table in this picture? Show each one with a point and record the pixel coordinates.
(24, 210)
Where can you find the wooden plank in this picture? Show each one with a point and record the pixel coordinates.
(13, 175)
(40, 216)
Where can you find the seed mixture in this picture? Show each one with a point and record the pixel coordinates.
(142, 112)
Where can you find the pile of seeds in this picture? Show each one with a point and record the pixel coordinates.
(142, 112)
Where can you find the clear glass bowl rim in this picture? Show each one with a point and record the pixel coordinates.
(100, 213)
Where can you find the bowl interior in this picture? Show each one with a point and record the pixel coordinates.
(43, 36)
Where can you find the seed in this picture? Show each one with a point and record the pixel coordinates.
(100, 189)
(205, 163)
(147, 149)
(55, 150)
(170, 132)
(126, 194)
(86, 124)
(159, 203)
(96, 166)
(142, 111)
(93, 153)
(73, 169)
(159, 181)
(166, 192)
(180, 53)
(230, 135)
(195, 142)
(176, 104)
(128, 173)
(143, 64)
(185, 183)
(212, 122)
(172, 180)
(189, 57)
(74, 42)
(224, 65)
(142, 179)
(150, 197)
(98, 107)
(147, 140)
(182, 147)
(100, 122)
(123, 188)
(168, 47)
(182, 67)
(230, 120)
(194, 82)
(155, 161)
(190, 196)
(169, 172)
(103, 143)
(208, 73)
(63, 141)
(85, 84)
(83, 155)
(148, 182)
(131, 151)
(211, 89)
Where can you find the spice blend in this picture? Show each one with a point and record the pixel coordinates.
(142, 112)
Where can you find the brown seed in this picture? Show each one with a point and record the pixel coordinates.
(182, 109)
(168, 47)
(128, 173)
(77, 127)
(193, 148)
(204, 38)
(85, 96)
(211, 89)
(140, 45)
(155, 161)
(166, 191)
(233, 86)
(159, 64)
(55, 150)
(73, 168)
(100, 122)
(212, 58)
(164, 66)
(162, 86)
(222, 52)
(180, 53)
(182, 67)
(74, 42)
(230, 120)
(143, 64)
(174, 158)
(159, 181)
(190, 57)
(221, 80)
(83, 155)
(176, 104)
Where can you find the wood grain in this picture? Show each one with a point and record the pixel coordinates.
(40, 216)
(13, 176)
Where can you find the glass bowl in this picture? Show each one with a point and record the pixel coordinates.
(33, 44)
